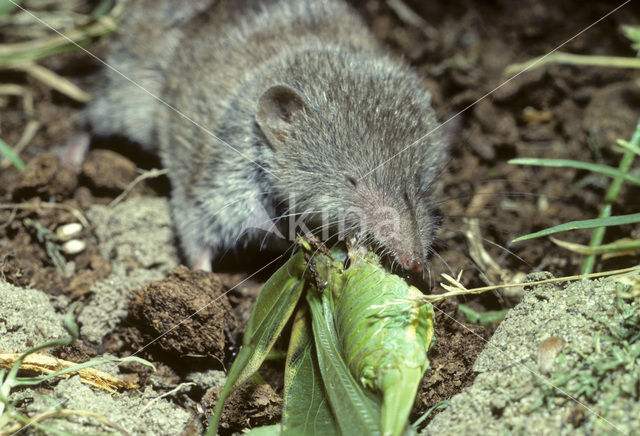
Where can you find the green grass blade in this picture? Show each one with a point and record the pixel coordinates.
(355, 411)
(584, 224)
(70, 326)
(272, 310)
(102, 9)
(614, 247)
(32, 50)
(629, 146)
(425, 415)
(566, 163)
(611, 197)
(7, 152)
(483, 318)
(306, 406)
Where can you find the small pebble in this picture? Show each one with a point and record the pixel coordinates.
(549, 350)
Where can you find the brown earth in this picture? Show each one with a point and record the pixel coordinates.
(461, 48)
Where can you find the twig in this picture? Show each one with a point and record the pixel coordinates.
(146, 175)
(34, 49)
(27, 135)
(46, 364)
(620, 247)
(11, 89)
(491, 271)
(17, 90)
(574, 59)
(12, 216)
(46, 205)
(408, 15)
(59, 413)
(459, 289)
(166, 394)
(52, 80)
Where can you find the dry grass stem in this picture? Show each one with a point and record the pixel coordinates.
(46, 205)
(408, 15)
(574, 59)
(145, 175)
(53, 80)
(44, 364)
(60, 413)
(456, 288)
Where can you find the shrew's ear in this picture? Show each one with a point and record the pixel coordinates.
(277, 108)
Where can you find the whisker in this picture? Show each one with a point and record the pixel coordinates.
(495, 244)
(444, 262)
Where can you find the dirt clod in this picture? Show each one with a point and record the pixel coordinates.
(252, 405)
(460, 49)
(107, 171)
(45, 177)
(190, 311)
(451, 359)
(600, 125)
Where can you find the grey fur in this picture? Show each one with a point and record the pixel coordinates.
(300, 87)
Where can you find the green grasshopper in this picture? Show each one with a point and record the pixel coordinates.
(385, 332)
(358, 347)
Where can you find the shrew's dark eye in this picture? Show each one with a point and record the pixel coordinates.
(352, 180)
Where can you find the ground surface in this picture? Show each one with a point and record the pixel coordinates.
(461, 48)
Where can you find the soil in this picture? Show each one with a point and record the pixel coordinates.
(461, 48)
(516, 389)
(192, 305)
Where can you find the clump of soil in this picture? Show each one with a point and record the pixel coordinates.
(582, 389)
(252, 405)
(107, 171)
(46, 178)
(188, 313)
(461, 50)
(43, 198)
(456, 347)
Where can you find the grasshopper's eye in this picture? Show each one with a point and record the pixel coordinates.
(352, 180)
